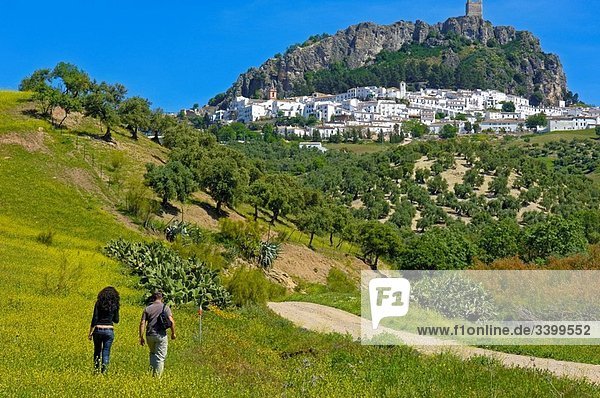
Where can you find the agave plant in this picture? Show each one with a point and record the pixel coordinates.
(268, 253)
(184, 230)
(174, 229)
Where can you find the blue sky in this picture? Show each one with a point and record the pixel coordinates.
(180, 52)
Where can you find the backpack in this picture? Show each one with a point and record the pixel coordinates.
(163, 322)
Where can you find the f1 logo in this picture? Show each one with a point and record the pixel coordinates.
(389, 297)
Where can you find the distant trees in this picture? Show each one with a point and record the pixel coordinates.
(70, 89)
(448, 131)
(553, 236)
(415, 128)
(533, 122)
(509, 106)
(63, 87)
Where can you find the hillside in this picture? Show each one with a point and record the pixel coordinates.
(59, 205)
(464, 52)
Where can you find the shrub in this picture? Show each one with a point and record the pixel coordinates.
(138, 203)
(160, 268)
(184, 230)
(339, 282)
(250, 286)
(67, 279)
(454, 296)
(46, 238)
(244, 236)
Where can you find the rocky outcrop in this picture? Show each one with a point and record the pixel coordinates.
(358, 45)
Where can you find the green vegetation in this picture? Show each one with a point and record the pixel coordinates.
(478, 66)
(65, 209)
(182, 281)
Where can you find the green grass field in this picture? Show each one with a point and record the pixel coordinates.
(49, 291)
(366, 147)
(562, 135)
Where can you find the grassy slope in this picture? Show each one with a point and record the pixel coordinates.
(560, 135)
(44, 352)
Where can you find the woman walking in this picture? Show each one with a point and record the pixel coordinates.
(106, 314)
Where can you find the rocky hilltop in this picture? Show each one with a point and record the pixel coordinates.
(472, 54)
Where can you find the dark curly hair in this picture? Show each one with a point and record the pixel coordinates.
(109, 299)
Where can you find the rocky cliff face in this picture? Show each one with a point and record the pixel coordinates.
(358, 45)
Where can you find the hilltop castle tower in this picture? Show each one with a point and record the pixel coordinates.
(475, 8)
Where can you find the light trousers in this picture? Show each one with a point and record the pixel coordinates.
(158, 353)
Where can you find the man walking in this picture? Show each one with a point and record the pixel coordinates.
(154, 327)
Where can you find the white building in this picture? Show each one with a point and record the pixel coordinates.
(313, 145)
(572, 123)
(502, 125)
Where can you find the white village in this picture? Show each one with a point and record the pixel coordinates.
(381, 110)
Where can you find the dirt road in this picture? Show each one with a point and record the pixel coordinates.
(324, 319)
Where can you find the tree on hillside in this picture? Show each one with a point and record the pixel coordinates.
(418, 195)
(553, 237)
(597, 130)
(430, 216)
(473, 178)
(437, 185)
(533, 122)
(404, 214)
(340, 217)
(377, 239)
(499, 186)
(448, 131)
(282, 196)
(258, 195)
(44, 94)
(38, 80)
(499, 239)
(171, 181)
(509, 106)
(463, 191)
(103, 102)
(376, 205)
(314, 221)
(224, 181)
(415, 128)
(438, 248)
(421, 175)
(135, 115)
(160, 123)
(75, 81)
(63, 87)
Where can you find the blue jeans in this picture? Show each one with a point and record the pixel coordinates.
(103, 339)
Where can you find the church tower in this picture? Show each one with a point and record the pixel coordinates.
(273, 92)
(475, 8)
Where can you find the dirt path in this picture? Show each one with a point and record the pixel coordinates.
(324, 319)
